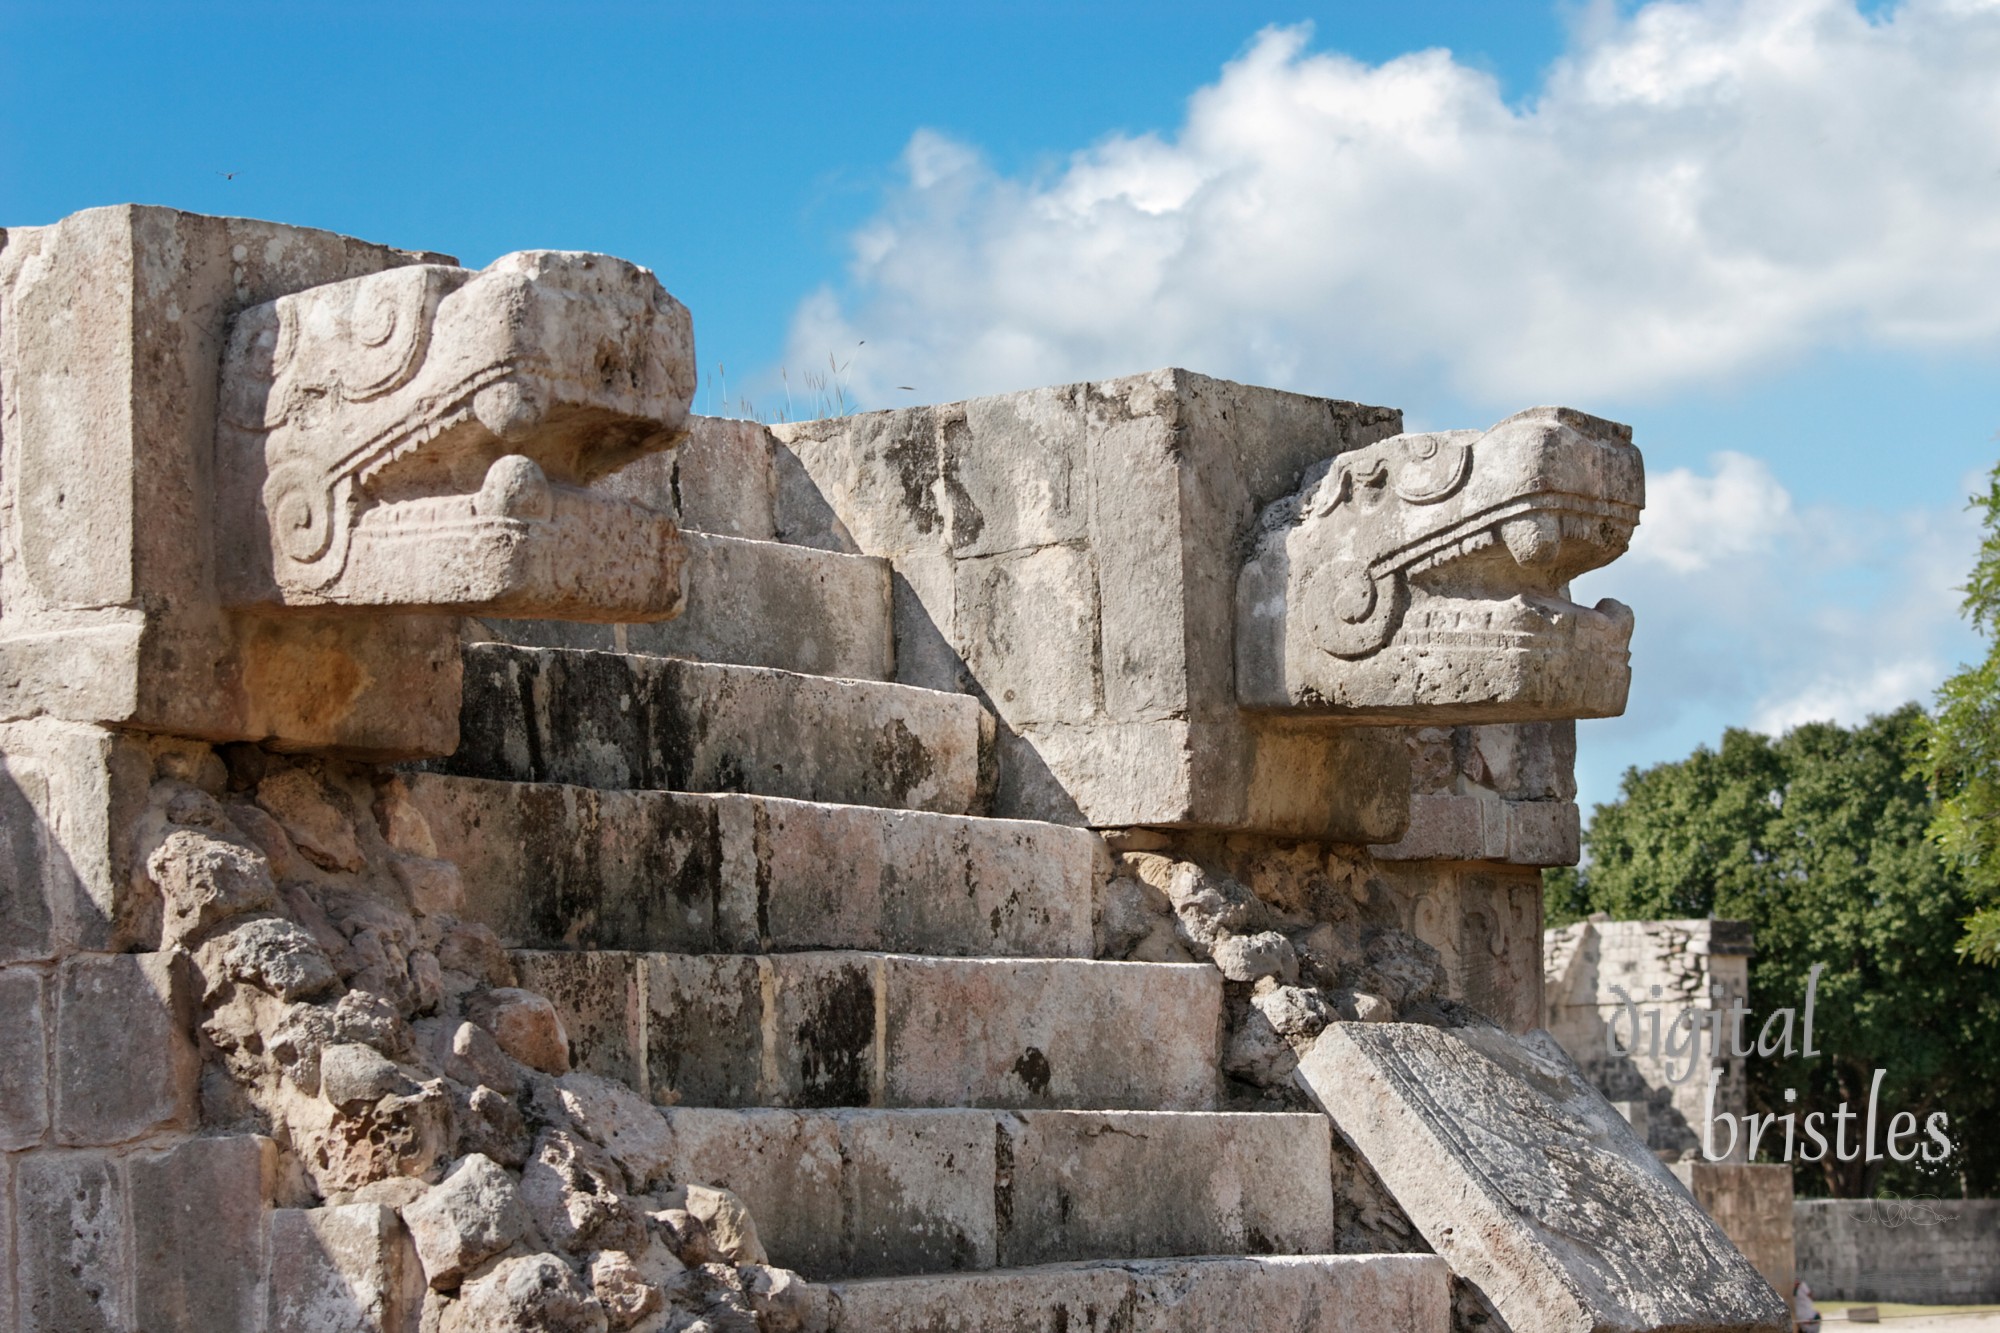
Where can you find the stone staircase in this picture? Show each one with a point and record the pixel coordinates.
(755, 878)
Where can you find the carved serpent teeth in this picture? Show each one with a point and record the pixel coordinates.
(509, 409)
(1534, 540)
(515, 487)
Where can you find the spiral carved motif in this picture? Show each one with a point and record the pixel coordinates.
(300, 507)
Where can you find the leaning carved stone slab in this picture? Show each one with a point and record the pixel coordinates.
(422, 437)
(1529, 1184)
(1424, 578)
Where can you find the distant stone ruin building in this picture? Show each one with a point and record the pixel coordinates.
(1614, 991)
(486, 849)
(1597, 971)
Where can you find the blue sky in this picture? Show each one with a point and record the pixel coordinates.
(1766, 233)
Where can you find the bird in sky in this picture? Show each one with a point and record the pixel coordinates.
(229, 175)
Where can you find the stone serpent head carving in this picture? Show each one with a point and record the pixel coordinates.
(1424, 578)
(422, 438)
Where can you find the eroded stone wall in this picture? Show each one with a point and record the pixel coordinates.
(306, 1093)
(1924, 1251)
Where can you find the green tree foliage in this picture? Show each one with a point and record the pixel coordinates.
(1819, 839)
(1962, 752)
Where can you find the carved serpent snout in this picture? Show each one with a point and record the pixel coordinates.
(1519, 509)
(1434, 545)
(414, 415)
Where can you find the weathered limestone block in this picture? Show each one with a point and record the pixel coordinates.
(550, 866)
(1070, 555)
(867, 1192)
(1484, 922)
(468, 1217)
(792, 1168)
(125, 1062)
(421, 437)
(344, 1269)
(853, 1192)
(731, 1231)
(611, 1115)
(1484, 828)
(1005, 1032)
(1421, 579)
(73, 1244)
(199, 1215)
(1529, 1184)
(753, 603)
(915, 1193)
(68, 797)
(596, 995)
(1501, 792)
(722, 480)
(1377, 1293)
(1513, 761)
(24, 1055)
(534, 1293)
(759, 603)
(860, 1029)
(525, 1025)
(618, 722)
(578, 1196)
(1209, 1183)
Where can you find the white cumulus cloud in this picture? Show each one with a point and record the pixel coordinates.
(1847, 700)
(1694, 522)
(1698, 190)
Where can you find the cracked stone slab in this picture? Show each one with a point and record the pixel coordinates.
(1530, 1184)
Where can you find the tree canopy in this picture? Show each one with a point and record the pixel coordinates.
(1962, 752)
(1820, 839)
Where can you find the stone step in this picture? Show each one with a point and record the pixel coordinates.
(867, 1193)
(754, 603)
(553, 866)
(1343, 1293)
(618, 721)
(847, 1028)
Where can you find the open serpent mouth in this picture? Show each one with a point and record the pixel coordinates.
(1393, 559)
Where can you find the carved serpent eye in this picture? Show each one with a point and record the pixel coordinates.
(1431, 469)
(375, 317)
